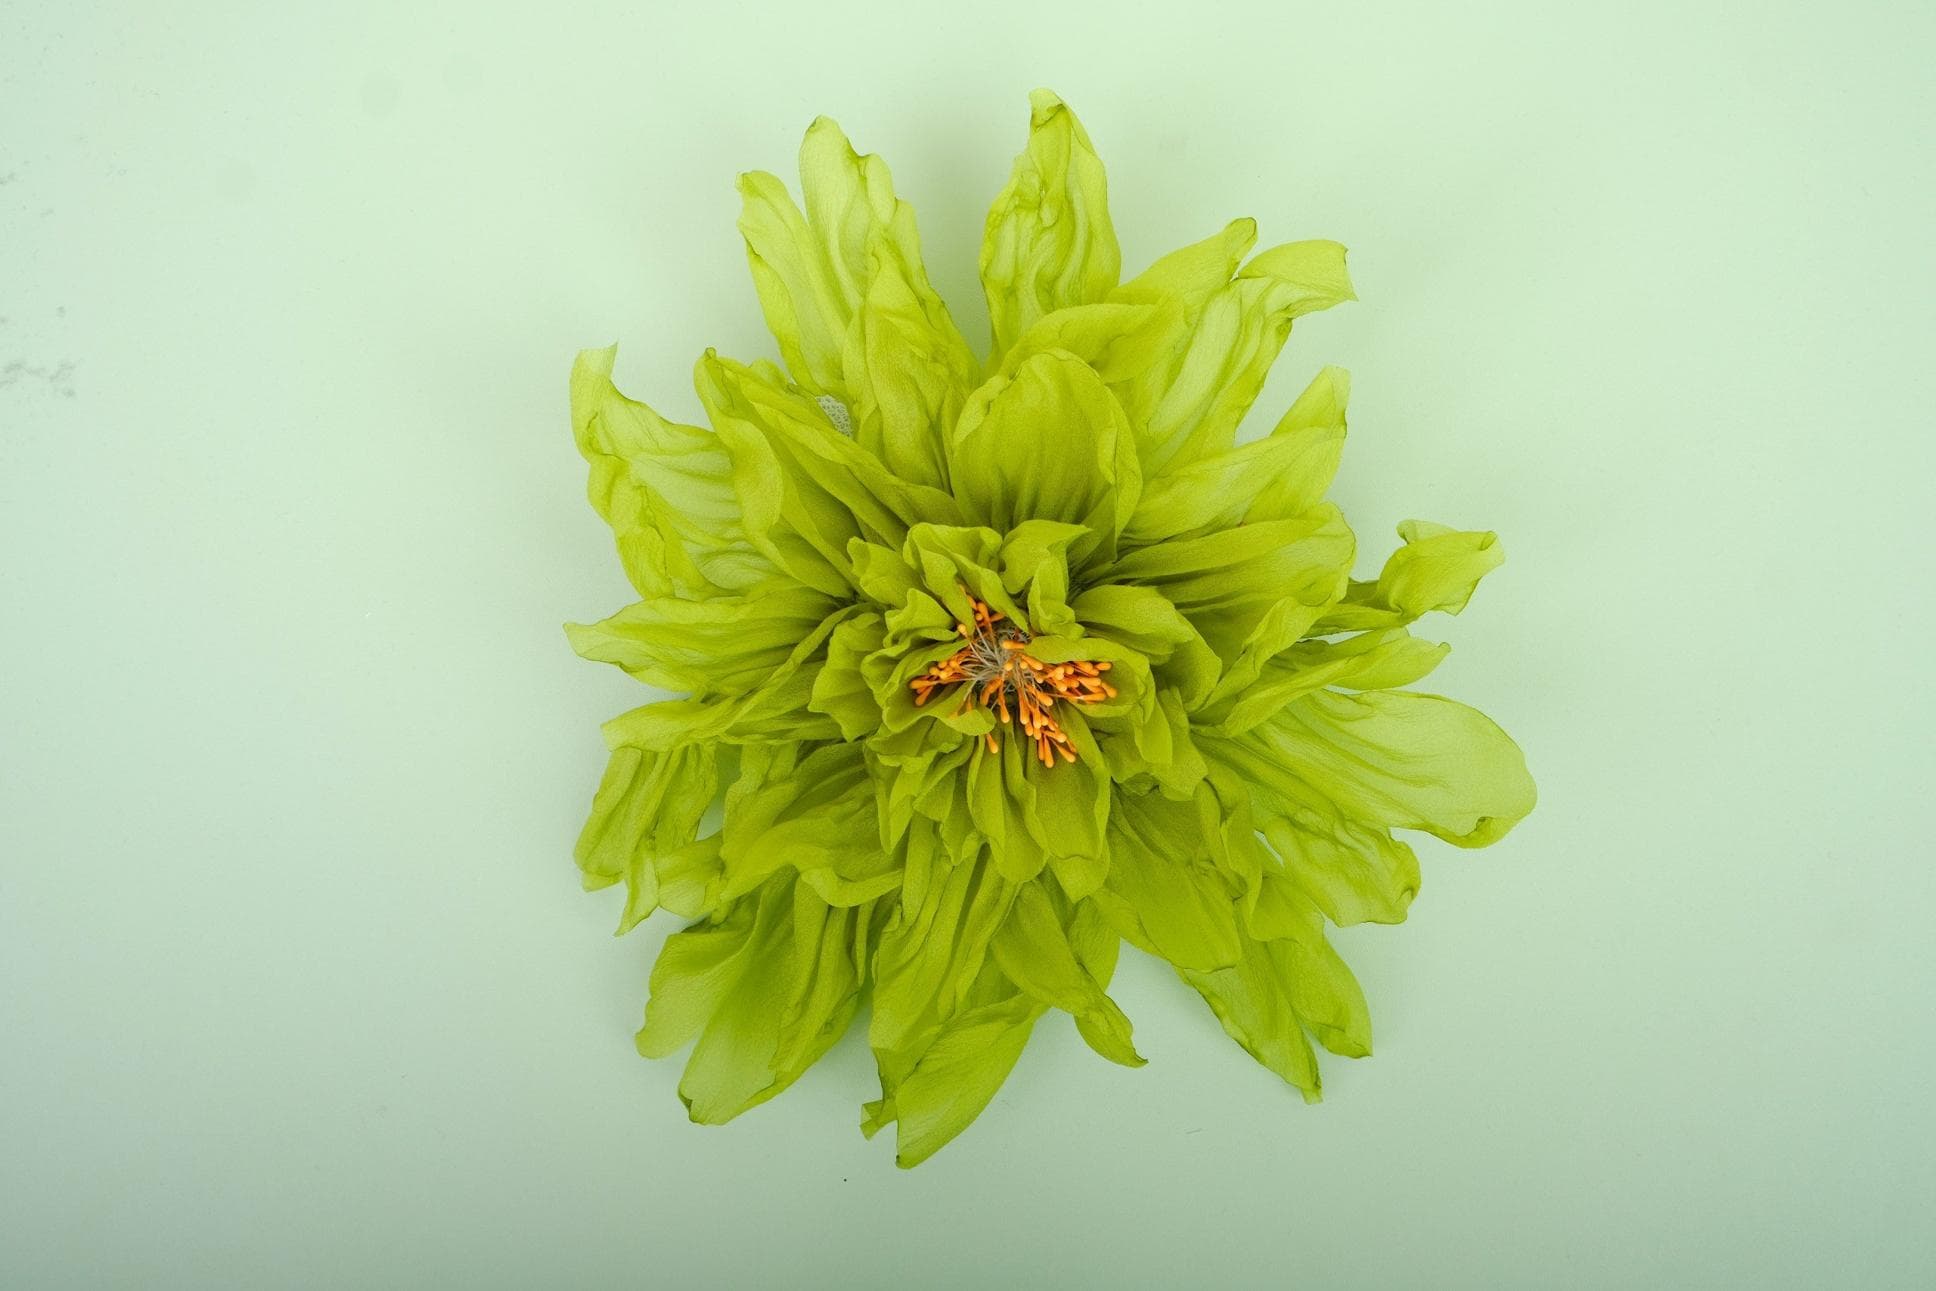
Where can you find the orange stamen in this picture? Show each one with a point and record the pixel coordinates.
(996, 664)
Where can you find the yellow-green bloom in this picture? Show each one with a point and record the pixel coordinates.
(990, 664)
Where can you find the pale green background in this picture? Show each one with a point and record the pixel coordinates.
(296, 984)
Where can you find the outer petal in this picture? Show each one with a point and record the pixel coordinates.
(811, 271)
(1252, 1002)
(1191, 407)
(1191, 275)
(726, 645)
(1163, 893)
(770, 1004)
(1380, 660)
(1406, 761)
(665, 489)
(1033, 950)
(815, 817)
(1272, 479)
(1436, 569)
(956, 1077)
(775, 710)
(647, 808)
(1048, 242)
(1354, 870)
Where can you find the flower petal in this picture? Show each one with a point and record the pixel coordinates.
(841, 688)
(1032, 949)
(816, 816)
(1250, 1000)
(811, 271)
(1381, 660)
(1436, 569)
(1048, 443)
(1274, 478)
(1163, 893)
(1048, 242)
(956, 1078)
(1405, 761)
(1257, 586)
(1192, 274)
(775, 709)
(1190, 408)
(648, 806)
(725, 645)
(807, 490)
(789, 993)
(665, 489)
(908, 370)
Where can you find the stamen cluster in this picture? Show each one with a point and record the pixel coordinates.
(995, 670)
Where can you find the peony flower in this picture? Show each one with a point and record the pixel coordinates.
(988, 665)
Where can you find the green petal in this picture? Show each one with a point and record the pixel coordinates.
(1258, 586)
(722, 646)
(1000, 796)
(1271, 479)
(1119, 340)
(1145, 620)
(841, 688)
(811, 271)
(1321, 989)
(1436, 569)
(908, 369)
(648, 806)
(1048, 243)
(1405, 761)
(1252, 1001)
(787, 994)
(665, 489)
(1355, 871)
(774, 710)
(1382, 660)
(696, 971)
(1190, 408)
(1164, 894)
(930, 952)
(1049, 443)
(957, 1077)
(1191, 275)
(807, 490)
(1032, 947)
(817, 817)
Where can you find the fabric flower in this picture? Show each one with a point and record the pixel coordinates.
(987, 665)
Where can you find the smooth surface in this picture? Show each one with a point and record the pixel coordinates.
(296, 984)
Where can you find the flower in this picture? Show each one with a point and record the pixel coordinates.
(990, 665)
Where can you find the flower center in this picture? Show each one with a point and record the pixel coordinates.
(995, 670)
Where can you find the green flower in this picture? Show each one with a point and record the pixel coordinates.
(990, 665)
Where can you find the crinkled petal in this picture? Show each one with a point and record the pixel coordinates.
(1436, 569)
(1048, 443)
(1275, 478)
(1164, 892)
(1190, 407)
(811, 270)
(908, 369)
(665, 489)
(725, 645)
(1048, 242)
(1033, 949)
(1259, 586)
(1405, 761)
